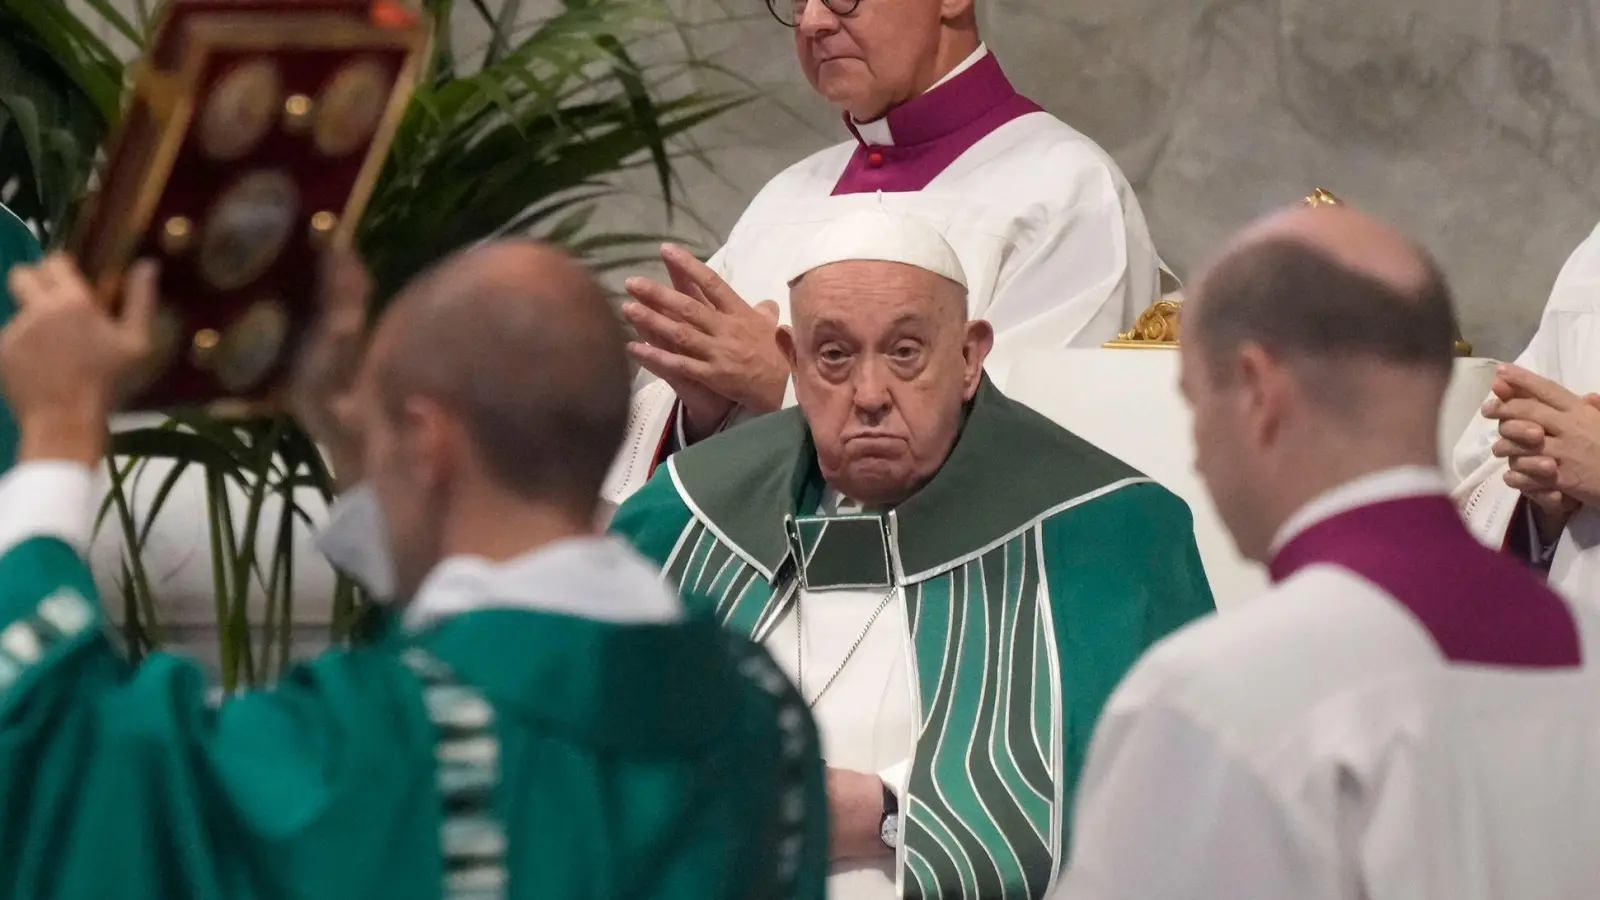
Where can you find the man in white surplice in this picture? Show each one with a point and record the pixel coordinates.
(1049, 233)
(1524, 488)
(1406, 714)
(953, 581)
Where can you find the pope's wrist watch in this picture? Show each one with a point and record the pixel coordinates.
(889, 826)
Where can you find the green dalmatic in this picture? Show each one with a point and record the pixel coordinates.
(502, 754)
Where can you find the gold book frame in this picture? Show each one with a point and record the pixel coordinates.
(172, 97)
(106, 246)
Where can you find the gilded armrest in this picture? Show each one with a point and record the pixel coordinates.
(1157, 327)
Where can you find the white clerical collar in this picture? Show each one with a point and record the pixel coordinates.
(837, 504)
(877, 131)
(599, 578)
(1388, 484)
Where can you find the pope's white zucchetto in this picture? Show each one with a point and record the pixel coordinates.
(879, 235)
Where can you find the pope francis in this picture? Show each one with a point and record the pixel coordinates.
(954, 582)
(1047, 230)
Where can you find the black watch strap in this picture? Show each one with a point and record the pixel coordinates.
(889, 824)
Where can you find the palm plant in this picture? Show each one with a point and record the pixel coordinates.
(527, 137)
(60, 87)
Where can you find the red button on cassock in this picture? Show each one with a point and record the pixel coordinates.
(874, 159)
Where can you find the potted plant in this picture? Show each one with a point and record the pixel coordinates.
(527, 136)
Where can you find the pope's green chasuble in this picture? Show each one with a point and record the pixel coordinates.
(504, 753)
(17, 245)
(1034, 569)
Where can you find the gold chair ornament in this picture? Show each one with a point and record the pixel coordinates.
(1155, 329)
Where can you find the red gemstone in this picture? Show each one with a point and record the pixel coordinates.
(391, 14)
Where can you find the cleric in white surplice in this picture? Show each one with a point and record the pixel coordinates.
(1406, 714)
(1557, 530)
(1052, 239)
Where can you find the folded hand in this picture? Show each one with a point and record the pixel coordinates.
(1550, 437)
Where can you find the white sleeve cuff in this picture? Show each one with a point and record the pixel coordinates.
(895, 778)
(680, 438)
(47, 498)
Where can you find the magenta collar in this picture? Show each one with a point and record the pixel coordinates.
(933, 130)
(1479, 606)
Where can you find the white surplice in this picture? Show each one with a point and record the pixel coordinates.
(1565, 349)
(1333, 741)
(1050, 235)
(867, 718)
(595, 577)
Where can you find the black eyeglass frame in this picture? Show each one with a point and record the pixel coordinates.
(837, 7)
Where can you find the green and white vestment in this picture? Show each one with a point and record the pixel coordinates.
(1034, 569)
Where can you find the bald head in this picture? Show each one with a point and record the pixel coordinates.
(1316, 350)
(1351, 238)
(1323, 289)
(517, 340)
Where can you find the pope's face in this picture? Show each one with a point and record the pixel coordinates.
(876, 57)
(884, 359)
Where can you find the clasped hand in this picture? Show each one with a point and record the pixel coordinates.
(699, 336)
(1550, 437)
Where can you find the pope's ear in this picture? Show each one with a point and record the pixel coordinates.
(975, 349)
(786, 346)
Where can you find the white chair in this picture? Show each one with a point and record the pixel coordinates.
(1126, 401)
(177, 555)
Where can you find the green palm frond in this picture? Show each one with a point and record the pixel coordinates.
(59, 89)
(556, 110)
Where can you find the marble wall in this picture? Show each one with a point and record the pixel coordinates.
(1475, 124)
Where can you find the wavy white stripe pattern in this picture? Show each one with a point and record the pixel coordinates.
(982, 792)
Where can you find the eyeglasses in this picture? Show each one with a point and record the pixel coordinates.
(788, 12)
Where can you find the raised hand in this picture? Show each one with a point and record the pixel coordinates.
(702, 338)
(65, 360)
(325, 372)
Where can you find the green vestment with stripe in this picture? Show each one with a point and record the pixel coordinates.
(1034, 568)
(503, 753)
(17, 245)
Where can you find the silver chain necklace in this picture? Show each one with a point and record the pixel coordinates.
(799, 649)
